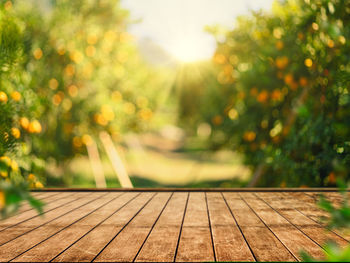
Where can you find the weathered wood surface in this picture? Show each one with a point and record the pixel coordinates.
(166, 226)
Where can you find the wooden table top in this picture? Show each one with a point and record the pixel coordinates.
(169, 225)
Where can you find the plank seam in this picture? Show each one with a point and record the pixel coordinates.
(314, 198)
(234, 218)
(329, 229)
(76, 241)
(39, 215)
(67, 225)
(122, 228)
(143, 243)
(320, 224)
(211, 231)
(182, 223)
(268, 228)
(289, 221)
(40, 199)
(51, 220)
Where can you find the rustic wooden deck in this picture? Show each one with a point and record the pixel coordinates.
(169, 225)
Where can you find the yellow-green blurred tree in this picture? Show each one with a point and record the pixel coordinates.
(85, 73)
(285, 78)
(15, 169)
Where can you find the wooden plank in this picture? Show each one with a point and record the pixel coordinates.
(305, 203)
(161, 244)
(176, 189)
(289, 235)
(312, 229)
(311, 210)
(50, 248)
(25, 206)
(264, 244)
(11, 233)
(88, 247)
(20, 218)
(42, 195)
(335, 198)
(46, 198)
(229, 244)
(25, 242)
(196, 224)
(125, 246)
(38, 194)
(148, 226)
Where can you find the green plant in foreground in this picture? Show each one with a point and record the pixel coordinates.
(339, 219)
(333, 253)
(11, 197)
(16, 165)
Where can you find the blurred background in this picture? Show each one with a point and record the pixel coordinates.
(174, 93)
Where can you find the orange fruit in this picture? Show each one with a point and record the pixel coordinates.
(2, 199)
(6, 160)
(16, 96)
(3, 97)
(15, 132)
(31, 177)
(308, 62)
(303, 81)
(217, 120)
(249, 136)
(39, 185)
(279, 45)
(281, 62)
(34, 127)
(263, 96)
(288, 79)
(24, 122)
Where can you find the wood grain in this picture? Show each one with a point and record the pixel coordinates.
(264, 244)
(287, 233)
(31, 214)
(24, 242)
(311, 228)
(162, 242)
(51, 247)
(45, 198)
(87, 248)
(229, 242)
(196, 224)
(167, 226)
(134, 234)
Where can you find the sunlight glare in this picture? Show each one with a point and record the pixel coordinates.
(177, 26)
(191, 49)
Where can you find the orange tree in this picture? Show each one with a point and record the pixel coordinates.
(16, 162)
(85, 74)
(284, 93)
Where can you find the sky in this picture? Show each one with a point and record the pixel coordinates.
(177, 26)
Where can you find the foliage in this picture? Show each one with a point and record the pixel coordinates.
(96, 80)
(332, 254)
(68, 70)
(339, 219)
(282, 92)
(11, 196)
(15, 177)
